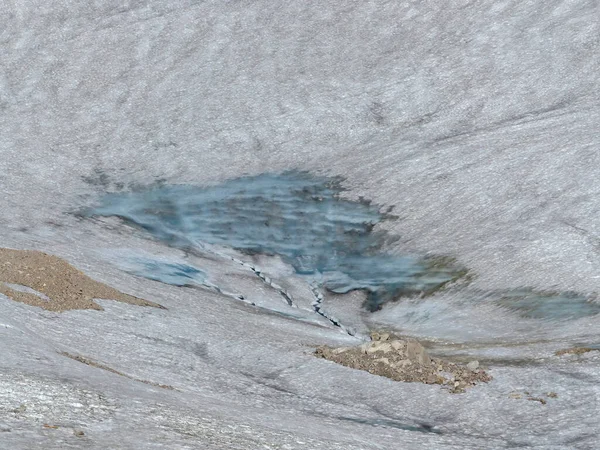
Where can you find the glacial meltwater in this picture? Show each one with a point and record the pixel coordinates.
(298, 216)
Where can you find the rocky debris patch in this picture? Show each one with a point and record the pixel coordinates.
(60, 285)
(405, 360)
(575, 351)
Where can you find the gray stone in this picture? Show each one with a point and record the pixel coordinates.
(398, 345)
(364, 348)
(473, 366)
(379, 346)
(417, 353)
(337, 351)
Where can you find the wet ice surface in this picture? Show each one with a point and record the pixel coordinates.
(174, 273)
(295, 215)
(335, 243)
(477, 120)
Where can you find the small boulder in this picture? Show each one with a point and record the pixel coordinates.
(417, 353)
(379, 346)
(473, 366)
(431, 379)
(376, 336)
(402, 364)
(398, 345)
(337, 351)
(363, 348)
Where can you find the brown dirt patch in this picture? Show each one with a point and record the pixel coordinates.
(64, 286)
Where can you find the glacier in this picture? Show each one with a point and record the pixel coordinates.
(475, 123)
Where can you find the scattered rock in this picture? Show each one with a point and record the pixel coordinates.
(574, 351)
(530, 397)
(78, 433)
(537, 399)
(404, 360)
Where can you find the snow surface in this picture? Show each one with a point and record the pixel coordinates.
(476, 120)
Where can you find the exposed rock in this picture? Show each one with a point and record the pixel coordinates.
(404, 360)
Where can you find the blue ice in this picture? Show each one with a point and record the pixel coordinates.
(176, 274)
(295, 215)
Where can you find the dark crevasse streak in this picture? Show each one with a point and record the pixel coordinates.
(295, 215)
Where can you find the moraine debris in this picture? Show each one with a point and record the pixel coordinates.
(47, 281)
(404, 360)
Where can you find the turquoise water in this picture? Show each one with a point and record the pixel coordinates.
(298, 216)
